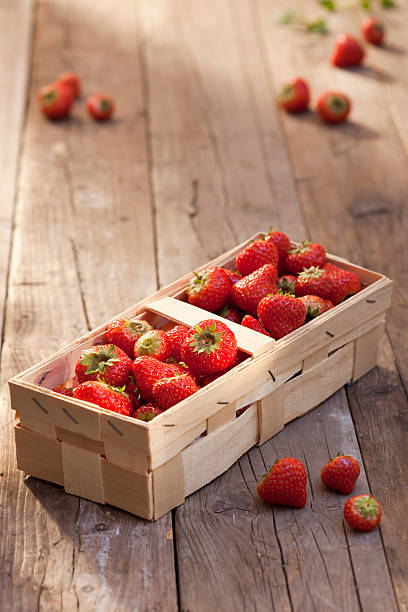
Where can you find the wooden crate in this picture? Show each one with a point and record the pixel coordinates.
(149, 468)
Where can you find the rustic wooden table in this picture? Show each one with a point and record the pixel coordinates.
(94, 217)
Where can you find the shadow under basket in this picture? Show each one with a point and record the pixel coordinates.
(150, 468)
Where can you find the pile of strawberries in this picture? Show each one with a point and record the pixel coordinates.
(285, 485)
(275, 289)
(55, 99)
(332, 106)
(142, 371)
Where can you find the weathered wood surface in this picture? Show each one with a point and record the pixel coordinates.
(199, 158)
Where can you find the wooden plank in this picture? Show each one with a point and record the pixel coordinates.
(82, 472)
(127, 489)
(222, 417)
(15, 44)
(168, 486)
(366, 355)
(96, 183)
(379, 407)
(271, 414)
(38, 455)
(183, 312)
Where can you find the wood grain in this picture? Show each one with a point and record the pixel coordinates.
(83, 212)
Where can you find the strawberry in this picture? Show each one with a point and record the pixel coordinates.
(333, 106)
(286, 283)
(124, 333)
(133, 392)
(230, 313)
(248, 292)
(313, 281)
(282, 243)
(345, 283)
(329, 304)
(315, 305)
(252, 323)
(362, 512)
(209, 289)
(305, 255)
(280, 314)
(154, 343)
(234, 276)
(104, 361)
(347, 51)
(148, 370)
(176, 336)
(239, 358)
(63, 390)
(255, 255)
(104, 396)
(341, 473)
(294, 96)
(170, 391)
(285, 483)
(209, 347)
(372, 30)
(147, 412)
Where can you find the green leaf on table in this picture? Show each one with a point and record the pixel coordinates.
(388, 3)
(317, 27)
(287, 18)
(329, 4)
(366, 4)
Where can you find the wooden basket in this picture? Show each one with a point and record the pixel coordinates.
(149, 468)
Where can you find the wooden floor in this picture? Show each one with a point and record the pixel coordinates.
(95, 217)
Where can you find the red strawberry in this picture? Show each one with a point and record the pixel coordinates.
(147, 412)
(234, 276)
(345, 283)
(209, 289)
(305, 255)
(124, 333)
(63, 390)
(286, 283)
(281, 314)
(148, 370)
(176, 336)
(282, 243)
(248, 292)
(239, 358)
(347, 51)
(333, 106)
(133, 393)
(255, 255)
(285, 483)
(372, 30)
(362, 512)
(106, 362)
(252, 323)
(153, 343)
(209, 347)
(294, 96)
(170, 391)
(313, 281)
(230, 313)
(329, 304)
(104, 396)
(315, 305)
(341, 473)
